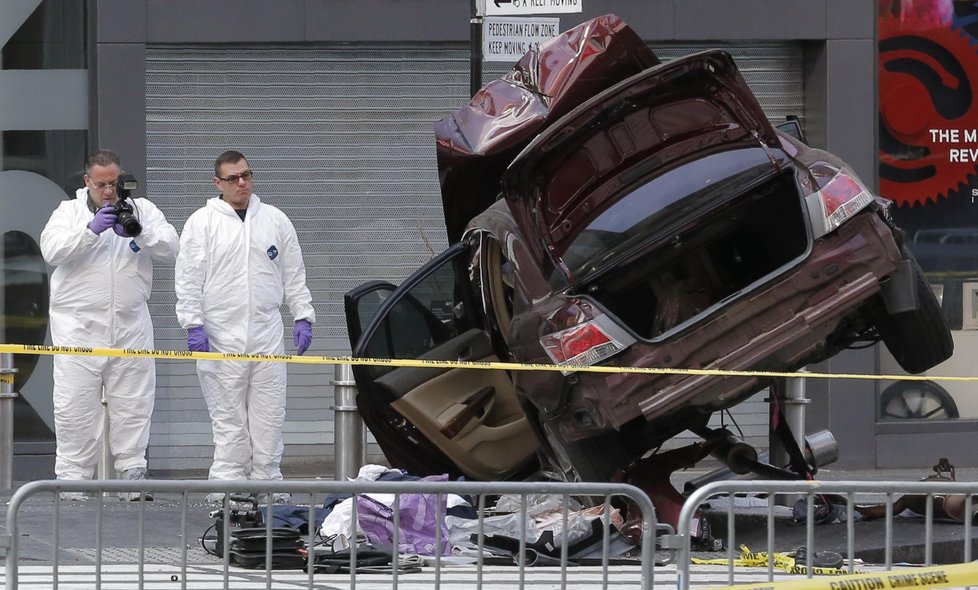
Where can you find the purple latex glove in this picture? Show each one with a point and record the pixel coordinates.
(197, 340)
(120, 231)
(104, 219)
(302, 335)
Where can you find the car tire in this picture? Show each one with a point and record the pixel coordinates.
(918, 339)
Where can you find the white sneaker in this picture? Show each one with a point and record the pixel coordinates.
(134, 474)
(73, 497)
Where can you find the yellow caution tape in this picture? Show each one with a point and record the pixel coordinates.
(432, 364)
(7, 378)
(785, 562)
(945, 576)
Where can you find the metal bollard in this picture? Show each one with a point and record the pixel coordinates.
(7, 400)
(794, 407)
(106, 465)
(794, 402)
(349, 436)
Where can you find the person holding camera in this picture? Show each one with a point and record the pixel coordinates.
(103, 248)
(239, 260)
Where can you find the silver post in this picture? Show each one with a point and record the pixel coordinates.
(776, 453)
(7, 400)
(349, 437)
(106, 465)
(793, 401)
(794, 407)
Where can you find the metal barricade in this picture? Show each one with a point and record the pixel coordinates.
(160, 543)
(862, 513)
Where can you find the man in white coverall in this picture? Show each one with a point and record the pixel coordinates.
(99, 288)
(239, 260)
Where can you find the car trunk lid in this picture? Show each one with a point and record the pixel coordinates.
(647, 125)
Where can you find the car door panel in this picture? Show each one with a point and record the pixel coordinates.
(427, 417)
(404, 379)
(474, 417)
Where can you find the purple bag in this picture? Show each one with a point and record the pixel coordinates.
(419, 524)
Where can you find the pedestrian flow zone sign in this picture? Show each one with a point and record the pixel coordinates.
(507, 39)
(528, 7)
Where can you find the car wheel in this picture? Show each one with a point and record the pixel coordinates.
(917, 400)
(917, 339)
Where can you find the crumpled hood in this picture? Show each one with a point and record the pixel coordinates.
(476, 143)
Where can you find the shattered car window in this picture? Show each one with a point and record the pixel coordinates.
(645, 212)
(679, 245)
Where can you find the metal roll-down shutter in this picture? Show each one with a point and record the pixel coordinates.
(340, 138)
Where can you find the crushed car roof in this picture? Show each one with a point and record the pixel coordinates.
(476, 143)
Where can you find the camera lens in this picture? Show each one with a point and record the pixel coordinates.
(127, 220)
(132, 227)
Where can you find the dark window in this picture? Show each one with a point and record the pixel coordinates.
(55, 154)
(52, 38)
(431, 312)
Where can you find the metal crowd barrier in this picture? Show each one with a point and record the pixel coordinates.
(105, 542)
(884, 499)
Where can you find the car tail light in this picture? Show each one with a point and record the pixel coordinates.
(580, 346)
(840, 194)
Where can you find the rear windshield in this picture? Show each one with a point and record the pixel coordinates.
(663, 204)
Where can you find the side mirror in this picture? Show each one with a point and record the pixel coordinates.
(792, 127)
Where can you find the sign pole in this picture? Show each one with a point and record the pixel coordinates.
(475, 50)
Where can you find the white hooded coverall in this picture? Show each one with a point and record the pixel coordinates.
(99, 290)
(231, 277)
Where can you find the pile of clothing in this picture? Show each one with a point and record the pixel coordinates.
(429, 525)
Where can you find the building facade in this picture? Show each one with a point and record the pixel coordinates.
(333, 103)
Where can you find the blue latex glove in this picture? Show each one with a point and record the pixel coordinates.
(302, 335)
(104, 219)
(197, 340)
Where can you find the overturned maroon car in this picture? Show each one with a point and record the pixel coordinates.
(606, 209)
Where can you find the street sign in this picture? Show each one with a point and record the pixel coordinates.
(529, 7)
(507, 39)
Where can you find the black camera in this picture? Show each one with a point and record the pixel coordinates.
(124, 185)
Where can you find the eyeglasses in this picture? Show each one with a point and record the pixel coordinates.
(101, 186)
(234, 178)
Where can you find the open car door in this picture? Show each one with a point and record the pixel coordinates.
(432, 420)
